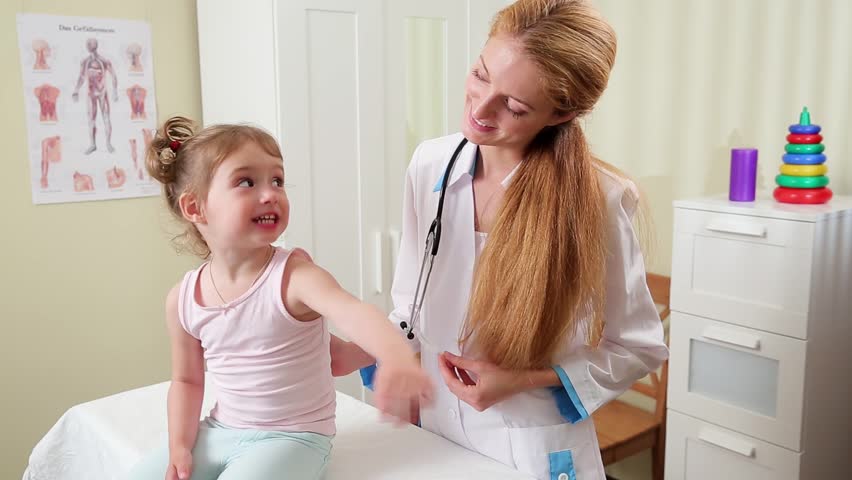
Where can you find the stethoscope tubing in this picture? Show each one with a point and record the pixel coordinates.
(433, 240)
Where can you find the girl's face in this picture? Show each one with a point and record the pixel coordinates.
(505, 103)
(246, 205)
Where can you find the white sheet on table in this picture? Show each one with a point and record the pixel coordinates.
(102, 439)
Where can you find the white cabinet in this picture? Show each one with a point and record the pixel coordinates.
(699, 450)
(760, 341)
(348, 88)
(734, 376)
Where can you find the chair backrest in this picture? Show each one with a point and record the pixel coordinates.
(660, 287)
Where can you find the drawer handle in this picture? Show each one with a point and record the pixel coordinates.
(727, 442)
(734, 338)
(737, 228)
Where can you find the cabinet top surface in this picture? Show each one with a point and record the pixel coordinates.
(766, 206)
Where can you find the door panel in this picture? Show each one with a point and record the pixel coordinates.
(330, 77)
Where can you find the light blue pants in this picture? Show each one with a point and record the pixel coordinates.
(224, 453)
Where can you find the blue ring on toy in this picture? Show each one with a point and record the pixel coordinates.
(803, 159)
(804, 129)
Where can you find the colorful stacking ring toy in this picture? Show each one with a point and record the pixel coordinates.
(802, 178)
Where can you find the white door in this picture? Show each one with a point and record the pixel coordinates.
(362, 82)
(430, 47)
(329, 59)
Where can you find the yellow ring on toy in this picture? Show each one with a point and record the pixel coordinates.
(804, 170)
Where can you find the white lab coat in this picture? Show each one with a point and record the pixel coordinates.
(545, 432)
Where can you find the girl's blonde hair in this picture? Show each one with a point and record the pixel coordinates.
(541, 277)
(184, 160)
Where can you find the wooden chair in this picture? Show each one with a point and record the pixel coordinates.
(624, 430)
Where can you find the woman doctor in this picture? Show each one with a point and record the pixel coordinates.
(537, 312)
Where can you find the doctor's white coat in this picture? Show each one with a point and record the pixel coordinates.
(545, 432)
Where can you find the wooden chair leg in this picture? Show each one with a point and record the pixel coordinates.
(658, 455)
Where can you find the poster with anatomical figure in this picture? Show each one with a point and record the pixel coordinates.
(90, 106)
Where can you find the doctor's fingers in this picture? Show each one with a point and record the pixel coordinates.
(475, 366)
(456, 386)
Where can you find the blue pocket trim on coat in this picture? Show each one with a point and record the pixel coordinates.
(567, 399)
(562, 464)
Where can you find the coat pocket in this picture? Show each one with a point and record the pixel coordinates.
(558, 452)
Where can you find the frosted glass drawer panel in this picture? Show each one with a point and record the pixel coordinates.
(739, 378)
(746, 270)
(697, 450)
(743, 379)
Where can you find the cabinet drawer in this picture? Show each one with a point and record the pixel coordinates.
(747, 380)
(697, 450)
(739, 269)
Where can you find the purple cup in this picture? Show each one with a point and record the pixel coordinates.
(743, 174)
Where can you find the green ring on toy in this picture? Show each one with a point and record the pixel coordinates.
(790, 181)
(802, 195)
(804, 148)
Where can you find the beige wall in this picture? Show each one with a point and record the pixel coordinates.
(82, 284)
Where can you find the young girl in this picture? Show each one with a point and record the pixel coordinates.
(255, 314)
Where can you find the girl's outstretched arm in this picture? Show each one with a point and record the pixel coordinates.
(399, 377)
(347, 357)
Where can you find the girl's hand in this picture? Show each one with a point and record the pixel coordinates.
(479, 383)
(397, 385)
(180, 464)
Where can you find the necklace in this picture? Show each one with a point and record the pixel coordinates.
(259, 273)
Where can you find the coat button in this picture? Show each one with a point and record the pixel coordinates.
(453, 416)
(562, 476)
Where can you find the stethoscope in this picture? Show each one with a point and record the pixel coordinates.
(433, 240)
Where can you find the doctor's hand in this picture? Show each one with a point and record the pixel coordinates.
(398, 385)
(479, 383)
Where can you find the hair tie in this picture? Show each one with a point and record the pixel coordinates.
(174, 145)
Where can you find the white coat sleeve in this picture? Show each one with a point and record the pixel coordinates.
(632, 343)
(410, 254)
(407, 265)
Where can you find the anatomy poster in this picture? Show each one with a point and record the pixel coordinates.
(90, 106)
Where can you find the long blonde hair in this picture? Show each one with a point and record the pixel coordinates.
(541, 276)
(184, 160)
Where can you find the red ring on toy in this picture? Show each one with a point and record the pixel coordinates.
(802, 195)
(804, 138)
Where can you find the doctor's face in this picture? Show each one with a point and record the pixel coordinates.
(505, 103)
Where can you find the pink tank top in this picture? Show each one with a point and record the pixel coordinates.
(271, 371)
